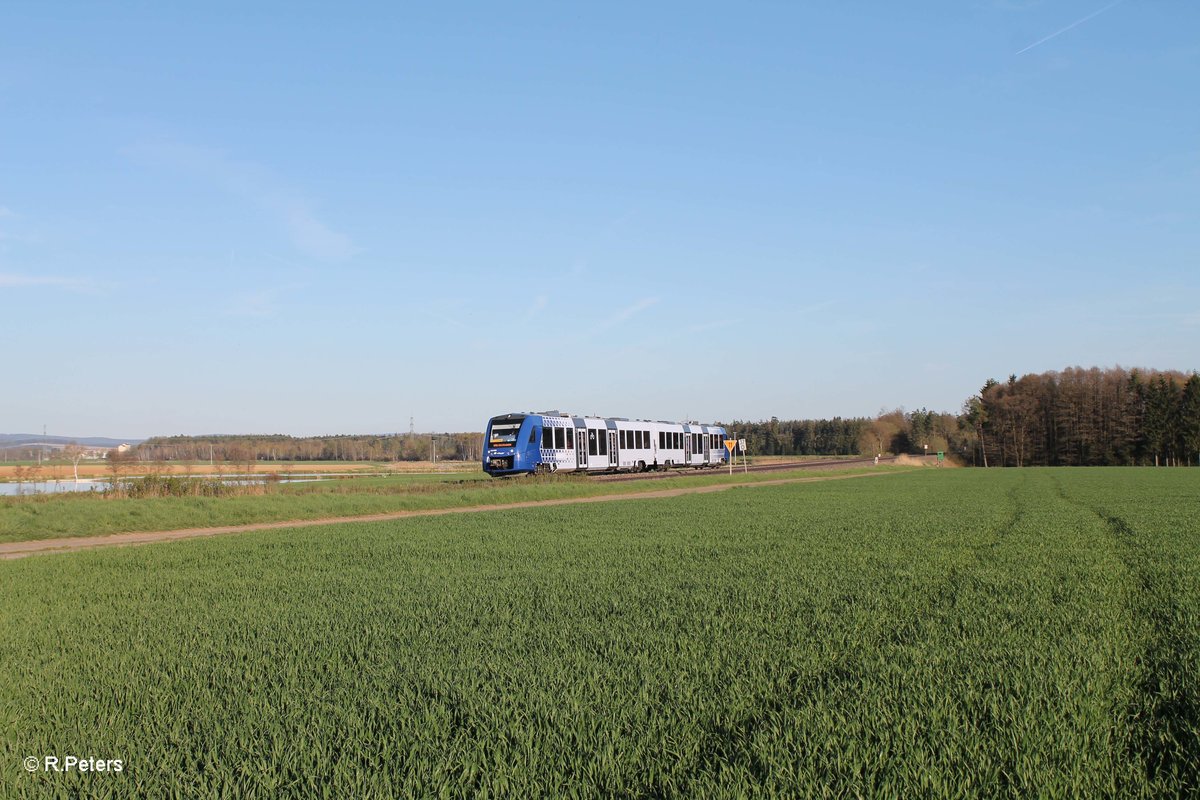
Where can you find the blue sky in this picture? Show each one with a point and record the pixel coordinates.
(304, 219)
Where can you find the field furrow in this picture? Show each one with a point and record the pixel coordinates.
(1163, 717)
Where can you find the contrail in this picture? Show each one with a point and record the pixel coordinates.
(1072, 25)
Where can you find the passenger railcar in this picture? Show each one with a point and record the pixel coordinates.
(552, 441)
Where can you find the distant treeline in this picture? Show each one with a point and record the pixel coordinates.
(1088, 417)
(381, 447)
(1077, 417)
(891, 432)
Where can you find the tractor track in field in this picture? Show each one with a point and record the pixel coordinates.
(1164, 720)
(12, 550)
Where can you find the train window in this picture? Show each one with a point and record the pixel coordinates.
(547, 438)
(570, 438)
(602, 445)
(646, 439)
(504, 434)
(560, 438)
(678, 441)
(662, 440)
(591, 441)
(533, 434)
(637, 440)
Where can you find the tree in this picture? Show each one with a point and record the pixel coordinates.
(119, 463)
(74, 453)
(976, 413)
(1189, 419)
(1157, 422)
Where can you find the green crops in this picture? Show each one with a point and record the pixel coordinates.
(941, 633)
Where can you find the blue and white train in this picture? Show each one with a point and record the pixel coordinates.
(552, 441)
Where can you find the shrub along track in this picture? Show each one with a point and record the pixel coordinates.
(10, 550)
(678, 472)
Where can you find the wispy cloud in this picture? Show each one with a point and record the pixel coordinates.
(625, 314)
(709, 326)
(539, 304)
(815, 307)
(256, 185)
(261, 304)
(1074, 24)
(9, 280)
(445, 318)
(264, 302)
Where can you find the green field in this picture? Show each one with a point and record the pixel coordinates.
(69, 514)
(945, 633)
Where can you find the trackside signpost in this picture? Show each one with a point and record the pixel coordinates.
(729, 445)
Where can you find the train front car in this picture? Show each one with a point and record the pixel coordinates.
(511, 445)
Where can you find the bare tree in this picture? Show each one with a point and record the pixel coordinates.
(74, 453)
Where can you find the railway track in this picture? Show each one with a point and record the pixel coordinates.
(791, 465)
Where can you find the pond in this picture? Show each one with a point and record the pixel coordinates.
(16, 488)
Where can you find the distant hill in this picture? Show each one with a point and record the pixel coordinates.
(21, 439)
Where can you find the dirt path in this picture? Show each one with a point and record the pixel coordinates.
(10, 550)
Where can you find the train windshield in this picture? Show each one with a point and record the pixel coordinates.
(504, 434)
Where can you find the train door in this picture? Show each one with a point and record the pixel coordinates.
(687, 447)
(612, 448)
(581, 448)
(707, 441)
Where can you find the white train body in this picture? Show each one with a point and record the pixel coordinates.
(552, 442)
